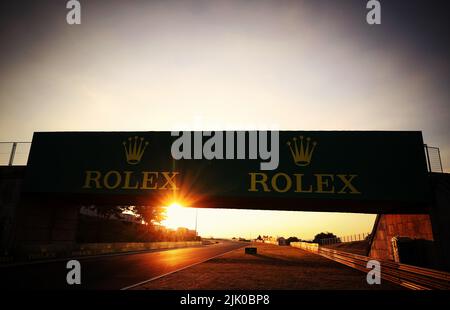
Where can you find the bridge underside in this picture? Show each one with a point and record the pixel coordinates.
(53, 219)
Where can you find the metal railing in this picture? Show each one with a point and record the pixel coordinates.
(350, 238)
(412, 277)
(433, 156)
(14, 153)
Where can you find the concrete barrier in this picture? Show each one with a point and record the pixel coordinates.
(35, 252)
(271, 242)
(121, 247)
(311, 247)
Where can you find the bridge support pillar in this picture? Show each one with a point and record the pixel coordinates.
(440, 217)
(387, 226)
(432, 227)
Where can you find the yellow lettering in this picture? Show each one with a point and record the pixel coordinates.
(91, 178)
(299, 184)
(325, 180)
(275, 183)
(348, 184)
(169, 180)
(106, 179)
(127, 181)
(261, 181)
(149, 180)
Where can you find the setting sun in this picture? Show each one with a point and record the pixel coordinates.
(179, 216)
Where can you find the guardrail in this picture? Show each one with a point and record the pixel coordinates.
(412, 277)
(51, 251)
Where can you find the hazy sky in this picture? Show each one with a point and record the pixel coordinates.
(255, 64)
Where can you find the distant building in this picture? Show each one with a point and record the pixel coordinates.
(281, 241)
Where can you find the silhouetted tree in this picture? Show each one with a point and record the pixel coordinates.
(292, 239)
(150, 215)
(323, 235)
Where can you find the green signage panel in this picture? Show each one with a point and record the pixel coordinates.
(342, 171)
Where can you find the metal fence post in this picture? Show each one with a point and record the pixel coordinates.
(428, 158)
(440, 162)
(13, 152)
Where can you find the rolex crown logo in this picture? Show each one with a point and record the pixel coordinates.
(134, 149)
(302, 151)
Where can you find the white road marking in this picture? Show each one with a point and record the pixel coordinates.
(166, 274)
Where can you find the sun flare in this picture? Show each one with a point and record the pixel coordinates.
(179, 216)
